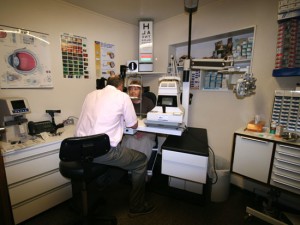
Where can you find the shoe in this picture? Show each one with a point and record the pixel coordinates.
(145, 210)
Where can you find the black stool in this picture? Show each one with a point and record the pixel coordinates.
(76, 163)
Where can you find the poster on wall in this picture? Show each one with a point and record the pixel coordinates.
(24, 59)
(74, 56)
(104, 59)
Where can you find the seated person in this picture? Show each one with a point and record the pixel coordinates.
(140, 141)
(101, 114)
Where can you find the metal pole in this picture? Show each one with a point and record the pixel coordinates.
(190, 33)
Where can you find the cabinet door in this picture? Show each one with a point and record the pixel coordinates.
(252, 158)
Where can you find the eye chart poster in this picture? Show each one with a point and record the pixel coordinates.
(74, 56)
(104, 58)
(24, 59)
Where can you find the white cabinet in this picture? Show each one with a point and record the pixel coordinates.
(34, 181)
(266, 158)
(286, 168)
(252, 158)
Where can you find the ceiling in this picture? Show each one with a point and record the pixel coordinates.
(131, 11)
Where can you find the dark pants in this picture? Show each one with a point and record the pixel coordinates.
(134, 161)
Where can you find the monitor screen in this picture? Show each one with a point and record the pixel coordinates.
(168, 101)
(18, 104)
(13, 106)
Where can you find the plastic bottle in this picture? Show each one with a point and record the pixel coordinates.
(273, 127)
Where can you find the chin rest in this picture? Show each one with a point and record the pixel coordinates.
(76, 163)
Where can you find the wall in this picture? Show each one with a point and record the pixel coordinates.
(54, 18)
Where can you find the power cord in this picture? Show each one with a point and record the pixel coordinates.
(70, 120)
(214, 164)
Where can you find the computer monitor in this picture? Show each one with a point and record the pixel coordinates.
(11, 106)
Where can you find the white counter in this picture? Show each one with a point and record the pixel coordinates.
(8, 148)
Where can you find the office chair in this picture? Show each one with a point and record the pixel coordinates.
(151, 96)
(76, 163)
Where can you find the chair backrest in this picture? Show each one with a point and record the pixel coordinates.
(150, 95)
(84, 148)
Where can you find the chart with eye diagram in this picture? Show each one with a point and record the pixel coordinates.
(24, 59)
(74, 56)
(104, 59)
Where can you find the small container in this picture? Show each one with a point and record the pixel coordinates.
(273, 127)
(279, 131)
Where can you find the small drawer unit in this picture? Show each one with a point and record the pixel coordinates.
(286, 168)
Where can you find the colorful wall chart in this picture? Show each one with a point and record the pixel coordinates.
(104, 59)
(74, 56)
(24, 59)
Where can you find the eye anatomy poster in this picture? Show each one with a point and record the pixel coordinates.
(24, 59)
(74, 56)
(104, 59)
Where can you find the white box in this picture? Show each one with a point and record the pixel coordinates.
(189, 167)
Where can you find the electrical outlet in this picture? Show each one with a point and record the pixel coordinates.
(69, 121)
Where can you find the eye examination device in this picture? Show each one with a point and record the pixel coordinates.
(168, 110)
(12, 118)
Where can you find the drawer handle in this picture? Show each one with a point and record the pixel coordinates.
(288, 177)
(286, 161)
(287, 146)
(284, 183)
(256, 140)
(286, 169)
(288, 154)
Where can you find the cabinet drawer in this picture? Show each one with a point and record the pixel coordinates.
(286, 182)
(27, 152)
(287, 159)
(36, 186)
(32, 166)
(285, 166)
(282, 172)
(29, 209)
(289, 151)
(186, 166)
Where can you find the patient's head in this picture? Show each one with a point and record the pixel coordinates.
(135, 89)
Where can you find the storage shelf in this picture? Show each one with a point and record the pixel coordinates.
(286, 72)
(288, 15)
(207, 44)
(216, 90)
(231, 72)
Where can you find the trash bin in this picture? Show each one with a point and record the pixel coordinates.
(220, 184)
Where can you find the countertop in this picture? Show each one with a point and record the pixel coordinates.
(266, 136)
(8, 148)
